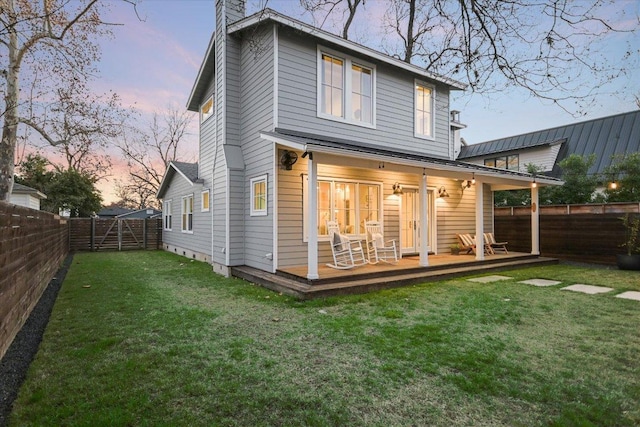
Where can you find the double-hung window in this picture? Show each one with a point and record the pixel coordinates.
(350, 203)
(346, 89)
(258, 196)
(187, 214)
(166, 215)
(424, 100)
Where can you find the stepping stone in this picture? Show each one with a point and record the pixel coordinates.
(540, 282)
(587, 289)
(634, 295)
(488, 279)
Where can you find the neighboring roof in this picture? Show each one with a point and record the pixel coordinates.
(141, 213)
(113, 212)
(208, 65)
(453, 168)
(189, 171)
(23, 189)
(604, 137)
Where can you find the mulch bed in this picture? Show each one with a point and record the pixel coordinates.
(16, 361)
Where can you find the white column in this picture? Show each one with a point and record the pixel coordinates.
(535, 222)
(312, 244)
(479, 221)
(424, 223)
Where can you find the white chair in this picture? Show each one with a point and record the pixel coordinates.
(377, 248)
(346, 253)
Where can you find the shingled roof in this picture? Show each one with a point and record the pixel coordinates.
(604, 137)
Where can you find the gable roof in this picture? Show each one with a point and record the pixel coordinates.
(113, 212)
(23, 189)
(141, 213)
(188, 171)
(207, 67)
(604, 137)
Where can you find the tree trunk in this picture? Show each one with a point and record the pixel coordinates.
(10, 126)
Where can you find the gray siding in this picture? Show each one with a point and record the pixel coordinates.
(200, 239)
(257, 115)
(297, 107)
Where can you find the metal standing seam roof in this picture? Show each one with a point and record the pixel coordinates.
(312, 140)
(604, 137)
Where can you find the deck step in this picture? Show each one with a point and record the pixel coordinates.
(301, 289)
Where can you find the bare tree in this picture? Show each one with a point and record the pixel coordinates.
(327, 7)
(547, 47)
(148, 153)
(51, 47)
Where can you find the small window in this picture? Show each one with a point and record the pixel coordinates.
(187, 214)
(204, 199)
(166, 215)
(259, 196)
(501, 162)
(513, 162)
(424, 96)
(490, 162)
(206, 110)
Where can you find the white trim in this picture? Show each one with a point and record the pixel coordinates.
(268, 14)
(210, 48)
(416, 134)
(167, 213)
(252, 195)
(347, 90)
(274, 262)
(202, 193)
(183, 212)
(276, 54)
(164, 178)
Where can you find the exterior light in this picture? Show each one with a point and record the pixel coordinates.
(397, 189)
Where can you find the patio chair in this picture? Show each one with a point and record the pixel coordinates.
(346, 253)
(377, 248)
(468, 243)
(490, 239)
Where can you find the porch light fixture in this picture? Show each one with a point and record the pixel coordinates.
(442, 192)
(473, 178)
(397, 189)
(534, 184)
(613, 185)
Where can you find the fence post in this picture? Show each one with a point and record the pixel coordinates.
(144, 233)
(93, 234)
(119, 234)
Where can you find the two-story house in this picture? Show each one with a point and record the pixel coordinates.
(299, 127)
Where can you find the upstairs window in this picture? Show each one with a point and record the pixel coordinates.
(346, 89)
(206, 110)
(424, 97)
(510, 162)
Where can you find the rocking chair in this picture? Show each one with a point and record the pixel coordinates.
(377, 248)
(346, 253)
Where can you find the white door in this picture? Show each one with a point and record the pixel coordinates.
(410, 220)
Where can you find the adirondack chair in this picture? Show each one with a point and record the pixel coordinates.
(346, 253)
(490, 239)
(468, 243)
(377, 248)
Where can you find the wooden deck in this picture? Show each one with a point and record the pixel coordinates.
(293, 280)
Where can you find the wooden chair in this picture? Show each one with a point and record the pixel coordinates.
(346, 253)
(377, 248)
(490, 239)
(468, 243)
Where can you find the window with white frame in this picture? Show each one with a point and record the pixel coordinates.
(166, 215)
(258, 196)
(206, 110)
(346, 89)
(424, 100)
(187, 214)
(204, 201)
(350, 203)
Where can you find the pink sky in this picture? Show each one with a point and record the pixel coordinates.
(152, 64)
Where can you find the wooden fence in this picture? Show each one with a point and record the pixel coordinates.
(584, 233)
(97, 234)
(33, 245)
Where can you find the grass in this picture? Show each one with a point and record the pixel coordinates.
(149, 338)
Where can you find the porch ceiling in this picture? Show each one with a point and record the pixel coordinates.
(355, 154)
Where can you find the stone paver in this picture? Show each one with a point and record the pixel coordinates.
(488, 279)
(634, 295)
(540, 282)
(587, 289)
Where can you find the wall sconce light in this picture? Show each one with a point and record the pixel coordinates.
(468, 183)
(397, 189)
(613, 185)
(442, 192)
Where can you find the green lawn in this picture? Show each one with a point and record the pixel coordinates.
(149, 338)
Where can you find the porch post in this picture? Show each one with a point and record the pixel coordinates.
(535, 222)
(312, 244)
(424, 226)
(479, 220)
